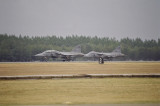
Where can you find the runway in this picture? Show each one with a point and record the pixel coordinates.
(74, 76)
(97, 105)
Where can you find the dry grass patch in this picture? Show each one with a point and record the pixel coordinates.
(80, 91)
(45, 68)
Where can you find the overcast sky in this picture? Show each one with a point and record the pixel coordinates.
(104, 18)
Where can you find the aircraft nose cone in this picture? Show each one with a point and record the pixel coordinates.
(40, 54)
(82, 54)
(123, 55)
(86, 55)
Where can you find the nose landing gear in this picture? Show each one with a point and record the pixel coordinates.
(101, 60)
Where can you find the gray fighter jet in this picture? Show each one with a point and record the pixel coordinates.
(66, 56)
(108, 56)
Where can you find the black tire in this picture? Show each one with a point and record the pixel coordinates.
(101, 61)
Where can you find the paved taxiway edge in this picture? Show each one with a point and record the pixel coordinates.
(79, 76)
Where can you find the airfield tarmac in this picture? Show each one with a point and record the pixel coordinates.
(79, 91)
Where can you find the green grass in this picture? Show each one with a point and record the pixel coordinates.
(80, 91)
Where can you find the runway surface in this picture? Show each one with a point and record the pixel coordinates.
(97, 105)
(79, 76)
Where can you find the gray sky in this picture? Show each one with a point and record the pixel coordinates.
(104, 18)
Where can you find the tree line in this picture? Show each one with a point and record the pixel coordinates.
(23, 48)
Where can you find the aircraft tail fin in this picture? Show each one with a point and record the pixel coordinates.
(77, 49)
(117, 50)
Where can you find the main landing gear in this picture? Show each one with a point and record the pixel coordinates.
(101, 60)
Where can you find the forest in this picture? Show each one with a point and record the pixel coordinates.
(23, 48)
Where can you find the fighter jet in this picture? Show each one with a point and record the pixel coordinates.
(66, 56)
(101, 56)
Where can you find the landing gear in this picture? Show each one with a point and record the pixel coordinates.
(66, 58)
(101, 61)
(45, 59)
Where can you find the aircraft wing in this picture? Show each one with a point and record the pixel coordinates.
(71, 54)
(105, 55)
(66, 54)
(99, 54)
